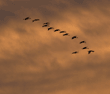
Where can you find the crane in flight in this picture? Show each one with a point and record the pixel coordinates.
(35, 20)
(90, 51)
(74, 37)
(50, 28)
(85, 48)
(82, 42)
(66, 34)
(56, 30)
(75, 52)
(45, 25)
(26, 18)
(62, 32)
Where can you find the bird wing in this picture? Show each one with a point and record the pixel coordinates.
(46, 23)
(73, 52)
(83, 41)
(27, 18)
(61, 31)
(89, 52)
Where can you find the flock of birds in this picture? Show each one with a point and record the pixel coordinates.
(47, 25)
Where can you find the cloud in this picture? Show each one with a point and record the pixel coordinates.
(35, 60)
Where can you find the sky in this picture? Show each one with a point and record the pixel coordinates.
(34, 60)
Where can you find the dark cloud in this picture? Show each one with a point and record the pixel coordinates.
(5, 15)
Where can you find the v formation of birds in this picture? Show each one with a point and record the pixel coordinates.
(49, 28)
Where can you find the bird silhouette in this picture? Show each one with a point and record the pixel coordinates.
(82, 42)
(50, 28)
(85, 48)
(74, 37)
(62, 31)
(66, 34)
(45, 25)
(56, 30)
(90, 51)
(75, 52)
(26, 18)
(35, 20)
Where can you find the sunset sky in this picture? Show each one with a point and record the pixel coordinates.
(34, 60)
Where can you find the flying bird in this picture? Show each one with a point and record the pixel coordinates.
(82, 42)
(62, 31)
(90, 51)
(27, 18)
(50, 28)
(45, 25)
(75, 52)
(85, 48)
(74, 37)
(66, 34)
(35, 20)
(56, 30)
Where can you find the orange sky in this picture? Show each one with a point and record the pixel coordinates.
(34, 60)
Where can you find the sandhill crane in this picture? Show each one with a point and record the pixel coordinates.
(82, 42)
(50, 28)
(74, 37)
(75, 52)
(45, 25)
(90, 51)
(56, 30)
(66, 34)
(26, 18)
(62, 31)
(35, 20)
(85, 48)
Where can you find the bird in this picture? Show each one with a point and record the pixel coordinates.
(35, 20)
(62, 31)
(85, 48)
(27, 18)
(45, 25)
(50, 28)
(74, 37)
(56, 30)
(66, 34)
(75, 52)
(82, 42)
(90, 51)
